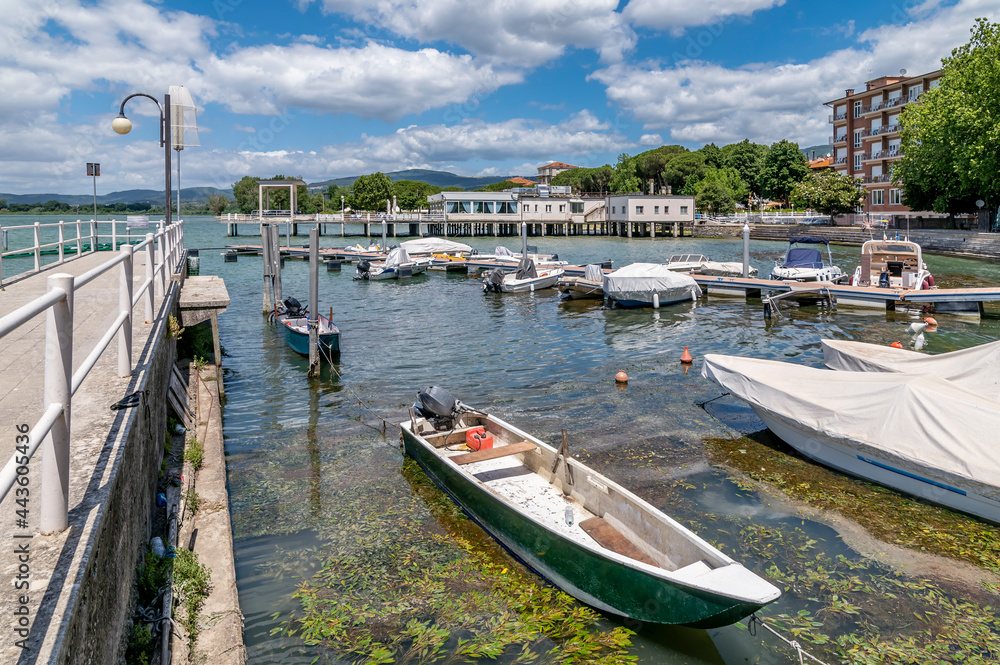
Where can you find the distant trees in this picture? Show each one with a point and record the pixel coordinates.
(501, 186)
(783, 167)
(412, 194)
(747, 158)
(625, 179)
(829, 193)
(595, 180)
(245, 193)
(371, 191)
(217, 203)
(950, 138)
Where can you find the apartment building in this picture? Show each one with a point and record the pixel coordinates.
(866, 141)
(549, 171)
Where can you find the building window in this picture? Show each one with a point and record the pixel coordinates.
(562, 207)
(548, 207)
(857, 160)
(638, 210)
(666, 210)
(857, 109)
(613, 210)
(656, 210)
(857, 137)
(684, 210)
(895, 198)
(507, 208)
(575, 207)
(878, 197)
(484, 207)
(536, 207)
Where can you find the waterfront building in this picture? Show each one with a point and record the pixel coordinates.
(657, 208)
(549, 171)
(866, 140)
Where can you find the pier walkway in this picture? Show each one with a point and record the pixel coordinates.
(62, 372)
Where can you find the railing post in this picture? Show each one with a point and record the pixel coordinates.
(114, 235)
(62, 239)
(125, 307)
(93, 235)
(79, 239)
(150, 257)
(38, 247)
(162, 265)
(58, 381)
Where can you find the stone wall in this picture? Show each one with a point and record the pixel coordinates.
(99, 611)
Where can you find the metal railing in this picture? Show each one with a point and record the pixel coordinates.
(87, 232)
(60, 381)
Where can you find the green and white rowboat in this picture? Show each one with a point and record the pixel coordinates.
(587, 535)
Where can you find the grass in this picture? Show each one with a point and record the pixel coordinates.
(151, 577)
(191, 584)
(191, 499)
(194, 452)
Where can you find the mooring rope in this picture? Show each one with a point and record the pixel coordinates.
(361, 402)
(753, 621)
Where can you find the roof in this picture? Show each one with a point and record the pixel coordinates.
(558, 165)
(521, 181)
(280, 183)
(821, 162)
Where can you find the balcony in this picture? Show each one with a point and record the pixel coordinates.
(836, 117)
(838, 139)
(872, 179)
(840, 160)
(873, 108)
(894, 102)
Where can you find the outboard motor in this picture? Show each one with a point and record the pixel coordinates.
(293, 307)
(363, 268)
(494, 280)
(438, 406)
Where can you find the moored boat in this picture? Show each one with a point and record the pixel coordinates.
(583, 532)
(702, 265)
(526, 279)
(297, 334)
(806, 264)
(591, 285)
(892, 264)
(916, 433)
(397, 265)
(645, 284)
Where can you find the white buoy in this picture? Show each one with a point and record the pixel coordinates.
(531, 287)
(656, 301)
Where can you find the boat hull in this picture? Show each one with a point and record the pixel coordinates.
(867, 463)
(299, 341)
(597, 580)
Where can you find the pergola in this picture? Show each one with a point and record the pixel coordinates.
(292, 186)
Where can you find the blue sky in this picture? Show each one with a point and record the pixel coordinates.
(330, 88)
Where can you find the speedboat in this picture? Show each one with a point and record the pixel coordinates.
(892, 264)
(581, 531)
(644, 284)
(527, 278)
(917, 433)
(397, 265)
(806, 264)
(511, 259)
(591, 285)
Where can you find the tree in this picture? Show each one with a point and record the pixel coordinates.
(715, 198)
(829, 193)
(649, 165)
(747, 158)
(784, 167)
(728, 178)
(217, 203)
(371, 192)
(412, 194)
(504, 184)
(279, 199)
(682, 168)
(245, 193)
(950, 138)
(625, 178)
(713, 155)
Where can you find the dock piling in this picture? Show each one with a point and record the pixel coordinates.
(314, 301)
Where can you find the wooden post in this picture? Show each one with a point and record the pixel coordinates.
(265, 242)
(314, 302)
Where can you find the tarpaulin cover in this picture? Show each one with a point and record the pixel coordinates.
(803, 257)
(526, 269)
(912, 417)
(976, 368)
(593, 273)
(434, 246)
(396, 257)
(503, 251)
(639, 281)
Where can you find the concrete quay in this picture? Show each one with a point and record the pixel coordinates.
(76, 601)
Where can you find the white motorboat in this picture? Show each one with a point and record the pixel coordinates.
(512, 259)
(806, 264)
(527, 278)
(916, 433)
(431, 246)
(397, 265)
(702, 265)
(644, 284)
(976, 368)
(892, 264)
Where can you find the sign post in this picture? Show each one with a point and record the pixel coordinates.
(94, 169)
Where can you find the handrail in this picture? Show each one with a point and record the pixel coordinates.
(61, 383)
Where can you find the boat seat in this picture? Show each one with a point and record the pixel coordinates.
(612, 539)
(493, 453)
(693, 569)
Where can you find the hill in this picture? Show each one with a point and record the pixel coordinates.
(821, 151)
(437, 178)
(192, 194)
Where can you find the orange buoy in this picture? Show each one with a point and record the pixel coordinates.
(930, 320)
(896, 345)
(686, 356)
(621, 377)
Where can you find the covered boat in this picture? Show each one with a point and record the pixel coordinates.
(581, 531)
(591, 285)
(976, 368)
(702, 265)
(805, 264)
(397, 265)
(637, 285)
(919, 434)
(527, 278)
(431, 246)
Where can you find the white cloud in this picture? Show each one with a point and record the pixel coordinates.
(676, 15)
(651, 140)
(525, 34)
(699, 101)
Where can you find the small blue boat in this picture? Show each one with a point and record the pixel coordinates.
(297, 335)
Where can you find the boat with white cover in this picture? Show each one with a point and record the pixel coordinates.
(976, 368)
(806, 264)
(527, 278)
(702, 265)
(591, 285)
(644, 284)
(920, 434)
(584, 533)
(397, 265)
(431, 246)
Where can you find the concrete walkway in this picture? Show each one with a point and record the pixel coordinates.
(57, 562)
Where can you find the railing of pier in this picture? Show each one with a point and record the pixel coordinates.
(68, 246)
(164, 252)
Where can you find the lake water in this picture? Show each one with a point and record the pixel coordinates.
(313, 479)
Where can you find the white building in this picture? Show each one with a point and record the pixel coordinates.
(643, 208)
(511, 207)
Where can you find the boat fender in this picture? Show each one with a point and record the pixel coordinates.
(929, 281)
(850, 281)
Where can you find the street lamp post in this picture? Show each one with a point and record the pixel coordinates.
(123, 125)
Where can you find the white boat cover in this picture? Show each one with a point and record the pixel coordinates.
(396, 257)
(639, 281)
(434, 246)
(976, 368)
(726, 268)
(915, 417)
(503, 251)
(593, 273)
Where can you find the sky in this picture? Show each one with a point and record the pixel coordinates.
(322, 89)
